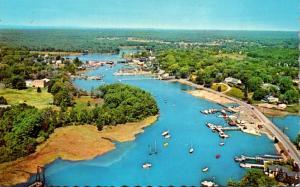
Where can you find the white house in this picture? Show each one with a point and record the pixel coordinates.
(272, 99)
(230, 80)
(28, 83)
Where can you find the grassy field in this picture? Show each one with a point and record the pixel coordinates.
(83, 101)
(216, 85)
(235, 92)
(28, 96)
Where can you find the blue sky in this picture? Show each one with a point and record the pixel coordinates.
(164, 14)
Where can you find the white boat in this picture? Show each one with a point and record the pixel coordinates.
(191, 150)
(208, 184)
(222, 143)
(147, 165)
(165, 133)
(168, 136)
(205, 169)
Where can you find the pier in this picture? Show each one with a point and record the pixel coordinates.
(220, 129)
(248, 165)
(263, 158)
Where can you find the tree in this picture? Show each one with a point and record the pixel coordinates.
(18, 82)
(38, 90)
(291, 96)
(254, 177)
(254, 83)
(297, 141)
(259, 94)
(285, 83)
(3, 101)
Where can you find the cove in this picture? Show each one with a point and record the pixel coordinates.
(289, 124)
(173, 165)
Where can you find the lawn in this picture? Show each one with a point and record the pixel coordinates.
(216, 85)
(28, 96)
(83, 101)
(235, 92)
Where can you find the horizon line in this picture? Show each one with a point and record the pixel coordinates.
(20, 27)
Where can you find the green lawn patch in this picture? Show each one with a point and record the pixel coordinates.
(28, 96)
(235, 92)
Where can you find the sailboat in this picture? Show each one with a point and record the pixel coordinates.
(222, 143)
(153, 151)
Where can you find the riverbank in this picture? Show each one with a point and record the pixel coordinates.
(275, 111)
(73, 143)
(261, 124)
(60, 53)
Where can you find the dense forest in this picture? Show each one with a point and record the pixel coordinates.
(254, 66)
(110, 40)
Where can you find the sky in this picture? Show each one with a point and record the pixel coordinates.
(158, 14)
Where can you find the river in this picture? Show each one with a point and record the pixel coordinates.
(173, 165)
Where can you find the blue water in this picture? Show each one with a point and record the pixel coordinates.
(289, 124)
(173, 165)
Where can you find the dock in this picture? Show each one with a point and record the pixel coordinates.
(248, 165)
(220, 129)
(262, 158)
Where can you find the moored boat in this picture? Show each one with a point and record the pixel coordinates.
(208, 184)
(146, 165)
(205, 169)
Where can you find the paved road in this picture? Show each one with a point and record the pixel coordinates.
(288, 145)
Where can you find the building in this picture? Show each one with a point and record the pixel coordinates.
(38, 83)
(268, 86)
(233, 81)
(271, 99)
(283, 174)
(28, 83)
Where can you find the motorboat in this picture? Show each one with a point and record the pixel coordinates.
(147, 165)
(166, 144)
(165, 133)
(222, 144)
(218, 156)
(168, 136)
(208, 184)
(191, 150)
(205, 169)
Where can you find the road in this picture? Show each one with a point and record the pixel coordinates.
(276, 132)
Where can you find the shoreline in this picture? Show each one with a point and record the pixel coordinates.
(82, 142)
(270, 129)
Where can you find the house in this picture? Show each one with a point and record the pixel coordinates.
(267, 86)
(233, 81)
(283, 174)
(38, 83)
(28, 83)
(271, 99)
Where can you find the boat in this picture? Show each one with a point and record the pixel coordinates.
(165, 133)
(208, 184)
(191, 150)
(152, 151)
(147, 165)
(166, 144)
(168, 136)
(218, 156)
(222, 143)
(205, 169)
